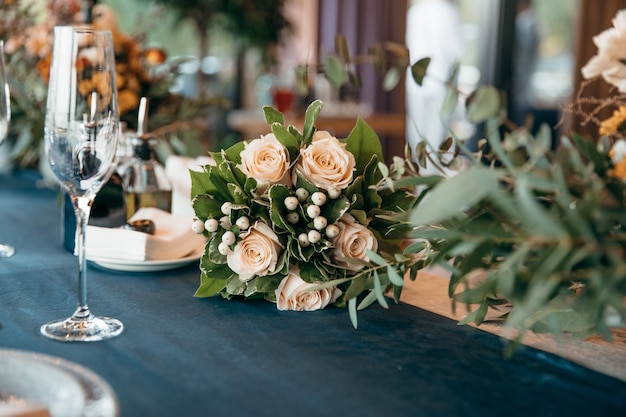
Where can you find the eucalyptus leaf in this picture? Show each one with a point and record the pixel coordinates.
(352, 312)
(341, 47)
(378, 291)
(367, 301)
(376, 258)
(450, 102)
(395, 278)
(335, 71)
(392, 78)
(419, 69)
(449, 198)
(483, 103)
(477, 316)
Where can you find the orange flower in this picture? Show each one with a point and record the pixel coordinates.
(617, 153)
(615, 123)
(127, 101)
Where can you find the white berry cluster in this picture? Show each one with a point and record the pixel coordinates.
(312, 208)
(211, 225)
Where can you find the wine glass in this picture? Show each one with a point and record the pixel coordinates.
(5, 118)
(80, 132)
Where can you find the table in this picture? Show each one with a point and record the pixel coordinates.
(182, 356)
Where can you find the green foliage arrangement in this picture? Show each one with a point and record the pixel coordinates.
(545, 228)
(531, 232)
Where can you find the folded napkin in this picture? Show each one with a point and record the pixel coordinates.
(177, 170)
(172, 239)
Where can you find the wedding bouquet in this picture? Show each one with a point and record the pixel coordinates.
(303, 219)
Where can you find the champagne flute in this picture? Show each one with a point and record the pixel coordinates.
(81, 128)
(5, 118)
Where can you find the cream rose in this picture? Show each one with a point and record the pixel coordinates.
(293, 293)
(326, 163)
(608, 62)
(266, 160)
(256, 254)
(352, 242)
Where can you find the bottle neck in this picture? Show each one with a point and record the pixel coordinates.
(142, 149)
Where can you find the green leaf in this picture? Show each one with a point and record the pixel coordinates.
(310, 116)
(341, 47)
(392, 78)
(559, 316)
(450, 102)
(288, 140)
(329, 284)
(209, 286)
(356, 287)
(415, 247)
(395, 278)
(483, 104)
(273, 116)
(376, 258)
(206, 207)
(335, 71)
(450, 197)
(237, 193)
(352, 312)
(200, 183)
(335, 208)
(451, 99)
(418, 70)
(477, 316)
(378, 290)
(367, 301)
(234, 286)
(277, 194)
(234, 152)
(363, 143)
(536, 219)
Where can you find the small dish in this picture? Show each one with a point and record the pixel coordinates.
(146, 266)
(64, 388)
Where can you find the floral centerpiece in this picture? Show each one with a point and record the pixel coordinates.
(534, 233)
(140, 72)
(303, 219)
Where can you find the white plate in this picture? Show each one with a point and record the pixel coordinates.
(146, 266)
(64, 388)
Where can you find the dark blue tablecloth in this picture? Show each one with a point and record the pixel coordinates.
(181, 356)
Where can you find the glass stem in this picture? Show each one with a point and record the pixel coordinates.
(82, 209)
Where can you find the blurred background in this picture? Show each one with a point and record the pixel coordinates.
(224, 59)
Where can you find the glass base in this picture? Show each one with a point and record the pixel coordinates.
(6, 251)
(82, 329)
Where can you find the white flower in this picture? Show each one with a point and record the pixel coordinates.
(326, 163)
(293, 293)
(609, 61)
(266, 160)
(352, 242)
(256, 254)
(618, 151)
